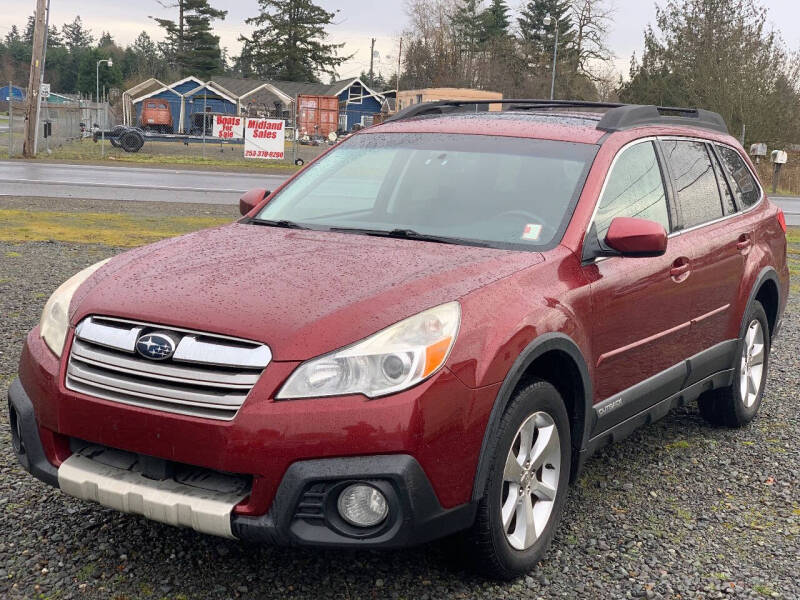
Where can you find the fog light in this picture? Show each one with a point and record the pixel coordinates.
(362, 505)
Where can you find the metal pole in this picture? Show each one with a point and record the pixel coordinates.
(10, 119)
(555, 56)
(103, 131)
(205, 98)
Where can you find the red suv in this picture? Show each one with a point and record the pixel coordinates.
(426, 331)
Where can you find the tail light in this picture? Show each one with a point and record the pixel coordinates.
(782, 220)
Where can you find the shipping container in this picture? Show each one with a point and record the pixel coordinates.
(317, 116)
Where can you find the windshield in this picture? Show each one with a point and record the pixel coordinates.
(472, 188)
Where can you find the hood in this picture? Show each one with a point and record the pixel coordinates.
(303, 293)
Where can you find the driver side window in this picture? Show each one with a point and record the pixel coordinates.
(634, 189)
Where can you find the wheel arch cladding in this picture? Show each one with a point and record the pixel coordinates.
(769, 297)
(555, 358)
(766, 290)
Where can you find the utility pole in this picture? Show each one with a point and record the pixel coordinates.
(41, 78)
(399, 55)
(371, 58)
(34, 80)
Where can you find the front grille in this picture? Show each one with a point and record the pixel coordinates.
(207, 376)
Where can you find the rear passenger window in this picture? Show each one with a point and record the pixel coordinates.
(695, 183)
(745, 187)
(634, 189)
(727, 196)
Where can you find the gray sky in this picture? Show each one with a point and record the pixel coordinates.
(356, 23)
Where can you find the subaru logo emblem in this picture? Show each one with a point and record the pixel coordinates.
(155, 346)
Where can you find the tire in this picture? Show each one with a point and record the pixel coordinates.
(737, 404)
(131, 141)
(506, 552)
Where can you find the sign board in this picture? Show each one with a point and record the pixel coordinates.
(44, 91)
(758, 149)
(227, 127)
(264, 138)
(779, 157)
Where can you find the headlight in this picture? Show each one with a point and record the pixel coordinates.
(389, 361)
(55, 316)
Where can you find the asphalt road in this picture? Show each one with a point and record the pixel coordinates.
(18, 178)
(791, 209)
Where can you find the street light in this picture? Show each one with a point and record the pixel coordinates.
(97, 76)
(547, 20)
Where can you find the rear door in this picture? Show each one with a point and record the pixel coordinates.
(718, 244)
(641, 306)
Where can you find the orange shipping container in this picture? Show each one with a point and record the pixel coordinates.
(317, 115)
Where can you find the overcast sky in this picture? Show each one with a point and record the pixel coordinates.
(356, 23)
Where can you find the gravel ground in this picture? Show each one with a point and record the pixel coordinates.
(678, 510)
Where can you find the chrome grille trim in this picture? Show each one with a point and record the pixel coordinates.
(211, 377)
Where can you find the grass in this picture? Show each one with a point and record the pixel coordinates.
(168, 154)
(95, 228)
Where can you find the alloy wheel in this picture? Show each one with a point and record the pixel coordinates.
(530, 480)
(751, 371)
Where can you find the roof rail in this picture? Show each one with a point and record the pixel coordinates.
(634, 115)
(616, 118)
(442, 107)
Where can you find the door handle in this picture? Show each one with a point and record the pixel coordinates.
(680, 269)
(744, 242)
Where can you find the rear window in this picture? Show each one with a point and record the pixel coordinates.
(694, 180)
(745, 187)
(505, 191)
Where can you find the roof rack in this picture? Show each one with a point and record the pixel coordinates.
(616, 118)
(634, 115)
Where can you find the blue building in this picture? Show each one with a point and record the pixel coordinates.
(17, 93)
(190, 96)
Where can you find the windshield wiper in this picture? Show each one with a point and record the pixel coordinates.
(278, 223)
(410, 234)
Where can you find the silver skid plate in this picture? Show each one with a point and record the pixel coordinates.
(164, 501)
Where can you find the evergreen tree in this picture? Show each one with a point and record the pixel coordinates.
(13, 37)
(289, 41)
(53, 35)
(495, 20)
(105, 40)
(537, 39)
(191, 45)
(76, 35)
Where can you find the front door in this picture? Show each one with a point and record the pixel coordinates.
(642, 306)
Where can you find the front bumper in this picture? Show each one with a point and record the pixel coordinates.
(302, 513)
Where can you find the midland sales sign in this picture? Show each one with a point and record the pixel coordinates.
(227, 127)
(263, 138)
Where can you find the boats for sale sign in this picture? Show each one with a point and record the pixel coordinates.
(227, 127)
(263, 138)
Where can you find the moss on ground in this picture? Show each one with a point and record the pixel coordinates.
(96, 228)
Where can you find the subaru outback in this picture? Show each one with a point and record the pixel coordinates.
(425, 332)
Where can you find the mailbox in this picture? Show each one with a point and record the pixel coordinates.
(778, 157)
(758, 149)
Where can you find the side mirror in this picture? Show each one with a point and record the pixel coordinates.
(251, 199)
(636, 237)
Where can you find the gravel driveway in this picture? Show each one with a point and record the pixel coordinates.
(678, 510)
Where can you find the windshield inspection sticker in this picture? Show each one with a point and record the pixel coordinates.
(532, 231)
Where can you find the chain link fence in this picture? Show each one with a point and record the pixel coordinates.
(62, 122)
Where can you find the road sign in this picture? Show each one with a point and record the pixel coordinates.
(45, 90)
